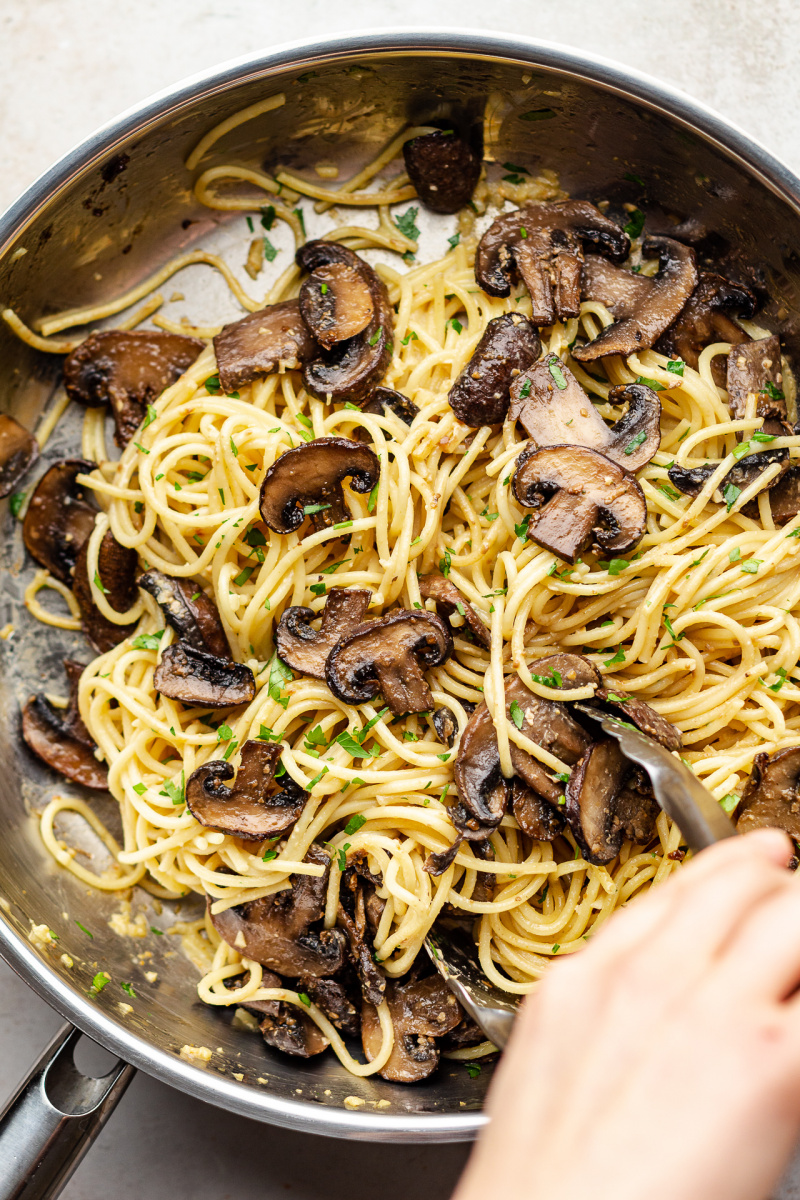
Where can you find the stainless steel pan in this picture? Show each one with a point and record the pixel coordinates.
(102, 219)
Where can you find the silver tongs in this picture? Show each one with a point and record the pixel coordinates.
(682, 797)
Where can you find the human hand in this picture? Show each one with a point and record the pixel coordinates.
(663, 1060)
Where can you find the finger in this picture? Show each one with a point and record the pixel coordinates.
(762, 956)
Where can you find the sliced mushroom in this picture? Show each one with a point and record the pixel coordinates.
(534, 815)
(306, 649)
(283, 1025)
(444, 169)
(465, 1035)
(19, 450)
(655, 310)
(544, 244)
(60, 738)
(755, 384)
(581, 500)
(481, 394)
(191, 613)
(201, 679)
(705, 319)
(252, 808)
(274, 338)
(771, 797)
(482, 790)
(691, 480)
(311, 477)
(352, 917)
(784, 498)
(449, 600)
(639, 713)
(445, 724)
(59, 518)
(553, 409)
(331, 997)
(389, 656)
(620, 290)
(383, 398)
(128, 370)
(421, 1012)
(277, 932)
(353, 367)
(600, 810)
(116, 574)
(336, 303)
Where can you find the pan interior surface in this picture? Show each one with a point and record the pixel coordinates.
(106, 219)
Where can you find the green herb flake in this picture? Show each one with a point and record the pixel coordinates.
(517, 715)
(100, 980)
(410, 337)
(243, 576)
(633, 178)
(776, 687)
(751, 566)
(618, 658)
(454, 240)
(341, 855)
(728, 803)
(298, 212)
(676, 637)
(556, 370)
(279, 674)
(676, 366)
(128, 987)
(445, 564)
(525, 390)
(355, 823)
(373, 499)
(157, 932)
(148, 641)
(740, 450)
(731, 494)
(521, 530)
(310, 509)
(635, 442)
(320, 775)
(456, 325)
(617, 565)
(303, 998)
(758, 436)
(473, 1069)
(212, 385)
(772, 391)
(406, 223)
(635, 223)
(653, 384)
(268, 855)
(98, 583)
(373, 341)
(152, 413)
(85, 930)
(318, 589)
(333, 567)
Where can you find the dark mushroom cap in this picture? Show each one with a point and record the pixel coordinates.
(331, 997)
(306, 649)
(445, 724)
(603, 807)
(481, 394)
(421, 1012)
(312, 474)
(784, 498)
(771, 799)
(553, 409)
(691, 480)
(191, 613)
(444, 170)
(543, 244)
(128, 370)
(196, 678)
(389, 656)
(116, 568)
(336, 303)
(261, 343)
(19, 450)
(482, 790)
(283, 1025)
(381, 399)
(353, 367)
(59, 518)
(277, 930)
(705, 319)
(60, 738)
(352, 917)
(656, 310)
(251, 809)
(448, 598)
(639, 713)
(534, 815)
(754, 369)
(620, 290)
(581, 499)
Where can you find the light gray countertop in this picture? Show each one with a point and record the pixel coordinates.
(69, 66)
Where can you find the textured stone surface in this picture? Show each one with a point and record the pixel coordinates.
(71, 65)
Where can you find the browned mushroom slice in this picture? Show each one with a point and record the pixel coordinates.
(445, 724)
(581, 499)
(59, 518)
(265, 341)
(482, 790)
(448, 598)
(19, 450)
(553, 409)
(784, 498)
(655, 311)
(481, 394)
(306, 649)
(640, 714)
(310, 477)
(620, 290)
(755, 376)
(201, 679)
(691, 480)
(277, 932)
(336, 303)
(331, 997)
(252, 808)
(421, 1012)
(465, 1035)
(771, 797)
(437, 862)
(353, 367)
(60, 738)
(444, 169)
(352, 917)
(544, 244)
(705, 319)
(128, 370)
(608, 800)
(283, 1025)
(383, 398)
(388, 656)
(116, 575)
(191, 613)
(534, 815)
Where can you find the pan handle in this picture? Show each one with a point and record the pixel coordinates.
(52, 1119)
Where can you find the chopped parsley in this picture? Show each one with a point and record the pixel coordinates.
(653, 384)
(635, 442)
(243, 576)
(330, 570)
(310, 509)
(772, 391)
(85, 930)
(355, 823)
(152, 413)
(128, 987)
(525, 390)
(517, 715)
(728, 803)
(410, 337)
(406, 223)
(98, 583)
(99, 982)
(735, 554)
(341, 855)
(444, 564)
(212, 385)
(373, 341)
(373, 499)
(618, 657)
(521, 530)
(616, 565)
(454, 240)
(556, 370)
(635, 223)
(776, 687)
(553, 680)
(298, 212)
(148, 641)
(731, 494)
(473, 1069)
(268, 216)
(303, 998)
(279, 674)
(751, 566)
